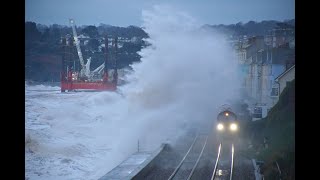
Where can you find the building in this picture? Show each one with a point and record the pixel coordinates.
(280, 35)
(285, 77)
(263, 67)
(262, 59)
(281, 82)
(248, 48)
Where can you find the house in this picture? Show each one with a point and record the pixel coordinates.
(281, 35)
(285, 77)
(262, 68)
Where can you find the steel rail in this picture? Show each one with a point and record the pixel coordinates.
(216, 165)
(232, 157)
(196, 164)
(178, 167)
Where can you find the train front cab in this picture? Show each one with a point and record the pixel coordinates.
(227, 127)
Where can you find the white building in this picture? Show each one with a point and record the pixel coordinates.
(286, 77)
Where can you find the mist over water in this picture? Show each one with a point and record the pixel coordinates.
(184, 76)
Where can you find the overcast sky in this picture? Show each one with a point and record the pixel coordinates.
(128, 12)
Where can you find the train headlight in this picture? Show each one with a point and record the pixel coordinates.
(220, 127)
(233, 127)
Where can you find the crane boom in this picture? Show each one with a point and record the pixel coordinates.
(75, 36)
(98, 69)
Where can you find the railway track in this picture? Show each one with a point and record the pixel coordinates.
(219, 173)
(187, 167)
(189, 162)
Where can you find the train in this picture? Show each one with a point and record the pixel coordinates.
(227, 126)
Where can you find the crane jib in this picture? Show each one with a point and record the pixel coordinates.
(75, 36)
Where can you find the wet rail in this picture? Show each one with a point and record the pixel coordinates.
(217, 163)
(189, 162)
(232, 162)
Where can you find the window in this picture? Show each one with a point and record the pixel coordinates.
(257, 112)
(274, 92)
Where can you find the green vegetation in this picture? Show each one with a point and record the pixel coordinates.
(279, 127)
(43, 48)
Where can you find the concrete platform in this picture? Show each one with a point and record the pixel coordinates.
(130, 167)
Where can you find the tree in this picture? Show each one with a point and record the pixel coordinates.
(31, 31)
(91, 31)
(46, 35)
(93, 44)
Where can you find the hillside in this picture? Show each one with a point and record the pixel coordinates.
(279, 128)
(251, 28)
(43, 44)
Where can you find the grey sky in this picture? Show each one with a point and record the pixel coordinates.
(128, 12)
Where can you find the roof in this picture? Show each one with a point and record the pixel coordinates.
(282, 74)
(261, 50)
